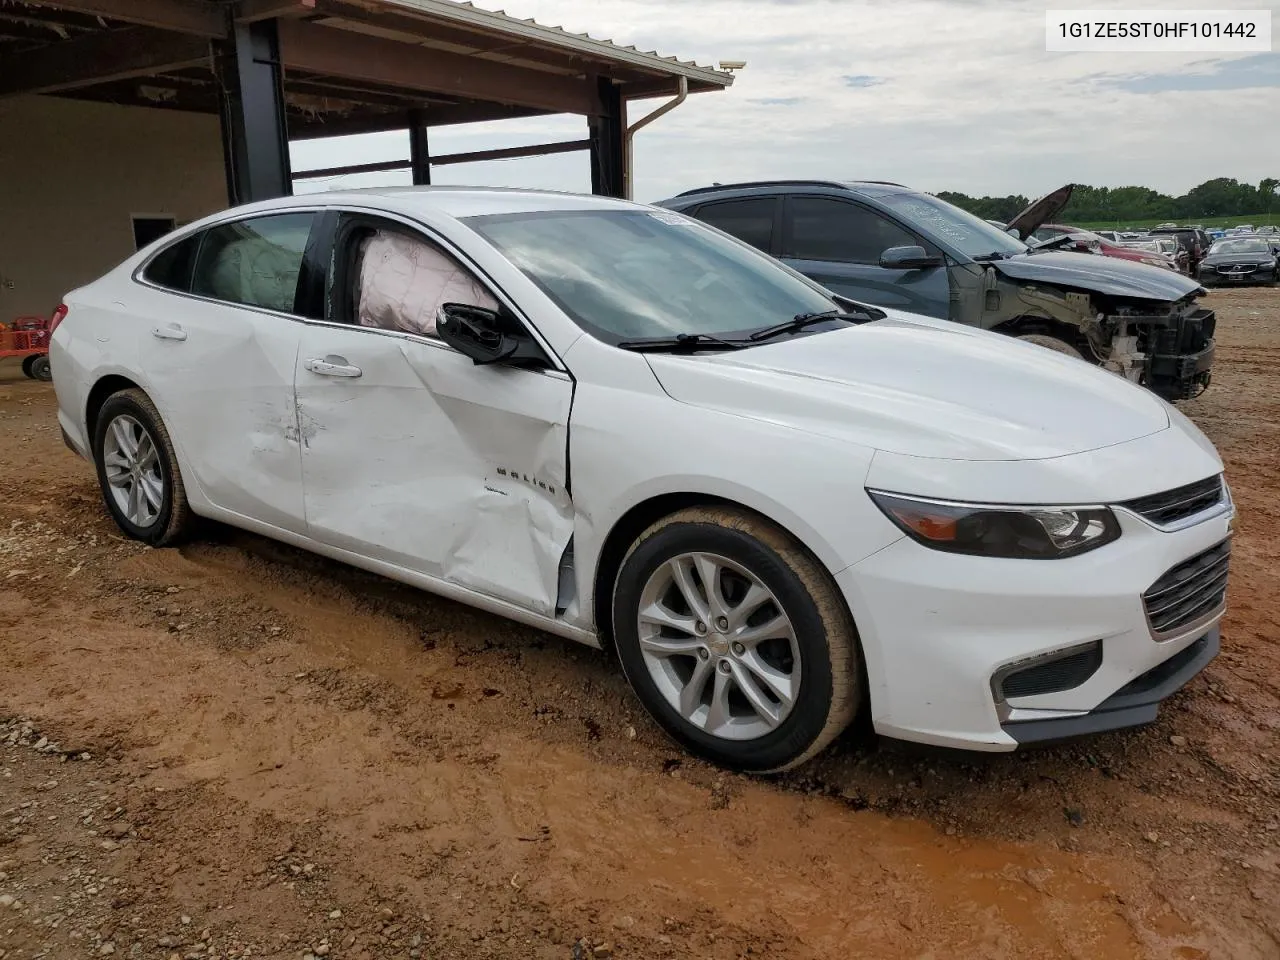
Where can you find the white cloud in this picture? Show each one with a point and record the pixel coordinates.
(939, 94)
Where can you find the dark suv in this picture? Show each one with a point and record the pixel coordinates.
(884, 244)
(1194, 240)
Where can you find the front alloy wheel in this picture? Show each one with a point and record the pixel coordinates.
(735, 639)
(719, 646)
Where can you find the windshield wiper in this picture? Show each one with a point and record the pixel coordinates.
(988, 257)
(682, 341)
(802, 320)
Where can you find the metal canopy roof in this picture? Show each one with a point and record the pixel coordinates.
(350, 66)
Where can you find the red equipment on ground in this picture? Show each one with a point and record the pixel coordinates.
(28, 338)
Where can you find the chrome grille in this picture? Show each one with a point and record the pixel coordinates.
(1179, 503)
(1192, 591)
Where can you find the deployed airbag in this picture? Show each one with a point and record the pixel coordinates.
(404, 282)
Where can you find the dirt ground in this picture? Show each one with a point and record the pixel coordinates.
(234, 749)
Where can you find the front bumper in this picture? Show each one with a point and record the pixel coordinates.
(1180, 356)
(938, 630)
(1211, 277)
(1133, 705)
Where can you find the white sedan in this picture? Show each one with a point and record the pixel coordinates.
(622, 426)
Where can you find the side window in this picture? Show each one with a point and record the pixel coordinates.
(401, 280)
(171, 267)
(823, 228)
(254, 262)
(749, 220)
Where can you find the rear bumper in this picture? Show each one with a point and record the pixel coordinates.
(1133, 705)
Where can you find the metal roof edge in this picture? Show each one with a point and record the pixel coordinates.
(497, 20)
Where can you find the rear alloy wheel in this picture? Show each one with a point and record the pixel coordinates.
(735, 640)
(1052, 343)
(137, 471)
(40, 368)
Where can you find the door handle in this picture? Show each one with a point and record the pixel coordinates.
(170, 332)
(332, 366)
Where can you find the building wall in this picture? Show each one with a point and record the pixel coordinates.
(71, 175)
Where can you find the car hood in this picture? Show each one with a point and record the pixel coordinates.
(1108, 275)
(1041, 211)
(923, 387)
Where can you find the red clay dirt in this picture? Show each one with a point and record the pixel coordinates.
(235, 749)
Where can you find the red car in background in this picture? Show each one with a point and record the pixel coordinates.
(1062, 237)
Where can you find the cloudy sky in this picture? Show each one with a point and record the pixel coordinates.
(938, 94)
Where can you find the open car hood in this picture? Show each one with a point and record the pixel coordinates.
(1041, 211)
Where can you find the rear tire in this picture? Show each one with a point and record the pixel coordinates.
(758, 674)
(138, 472)
(1052, 343)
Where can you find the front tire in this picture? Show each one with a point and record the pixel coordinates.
(1052, 343)
(138, 472)
(736, 640)
(41, 369)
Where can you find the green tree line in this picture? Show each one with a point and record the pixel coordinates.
(1220, 197)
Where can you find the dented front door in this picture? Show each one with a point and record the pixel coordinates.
(415, 456)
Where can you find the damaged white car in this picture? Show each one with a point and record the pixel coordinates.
(622, 426)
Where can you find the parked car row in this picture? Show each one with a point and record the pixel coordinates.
(888, 245)
(781, 506)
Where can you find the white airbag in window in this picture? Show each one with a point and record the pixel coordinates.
(404, 282)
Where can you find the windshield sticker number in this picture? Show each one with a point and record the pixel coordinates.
(924, 213)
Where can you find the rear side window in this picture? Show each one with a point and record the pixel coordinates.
(749, 220)
(171, 267)
(253, 262)
(826, 229)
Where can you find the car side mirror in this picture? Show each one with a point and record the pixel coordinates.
(486, 336)
(908, 258)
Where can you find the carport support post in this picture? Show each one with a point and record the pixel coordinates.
(608, 148)
(419, 150)
(255, 134)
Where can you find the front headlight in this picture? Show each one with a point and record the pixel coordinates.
(997, 530)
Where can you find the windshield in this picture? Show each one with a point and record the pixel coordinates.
(634, 274)
(1240, 246)
(972, 236)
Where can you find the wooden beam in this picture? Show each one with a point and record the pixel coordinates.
(195, 17)
(445, 116)
(511, 153)
(100, 58)
(354, 56)
(316, 129)
(250, 11)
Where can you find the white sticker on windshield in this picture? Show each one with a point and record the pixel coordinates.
(674, 219)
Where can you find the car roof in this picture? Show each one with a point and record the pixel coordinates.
(870, 188)
(457, 202)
